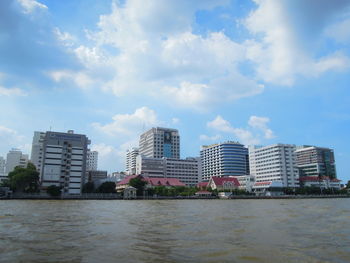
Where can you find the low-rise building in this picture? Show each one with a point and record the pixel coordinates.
(323, 182)
(223, 183)
(15, 158)
(268, 188)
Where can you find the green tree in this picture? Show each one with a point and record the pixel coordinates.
(89, 187)
(24, 179)
(139, 184)
(106, 187)
(53, 190)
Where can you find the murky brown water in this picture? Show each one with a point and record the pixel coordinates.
(315, 230)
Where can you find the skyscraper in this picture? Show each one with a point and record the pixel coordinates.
(224, 159)
(15, 158)
(64, 157)
(274, 163)
(36, 156)
(160, 142)
(92, 160)
(131, 155)
(315, 161)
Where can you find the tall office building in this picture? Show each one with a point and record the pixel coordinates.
(2, 168)
(224, 159)
(131, 155)
(15, 158)
(92, 160)
(36, 156)
(160, 142)
(315, 161)
(274, 163)
(64, 157)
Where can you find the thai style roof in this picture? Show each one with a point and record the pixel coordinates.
(126, 180)
(220, 181)
(163, 181)
(202, 184)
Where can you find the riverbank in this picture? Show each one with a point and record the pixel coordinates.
(117, 197)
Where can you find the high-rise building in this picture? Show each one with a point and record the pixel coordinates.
(15, 158)
(92, 160)
(36, 156)
(160, 142)
(274, 163)
(131, 155)
(64, 161)
(2, 168)
(186, 170)
(315, 161)
(224, 159)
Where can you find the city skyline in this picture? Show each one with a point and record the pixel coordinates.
(257, 72)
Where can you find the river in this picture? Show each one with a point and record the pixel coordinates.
(307, 230)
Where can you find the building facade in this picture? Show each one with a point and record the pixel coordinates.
(2, 168)
(315, 161)
(131, 155)
(224, 159)
(15, 158)
(92, 160)
(274, 163)
(160, 142)
(186, 170)
(64, 161)
(36, 156)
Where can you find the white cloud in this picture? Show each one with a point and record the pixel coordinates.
(261, 123)
(175, 120)
(204, 137)
(244, 135)
(280, 33)
(340, 31)
(103, 149)
(81, 79)
(30, 5)
(10, 138)
(11, 92)
(129, 124)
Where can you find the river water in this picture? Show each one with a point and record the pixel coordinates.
(307, 230)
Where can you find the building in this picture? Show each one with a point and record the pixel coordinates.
(64, 161)
(36, 156)
(160, 142)
(92, 160)
(186, 170)
(315, 161)
(2, 168)
(131, 155)
(96, 177)
(323, 182)
(274, 163)
(224, 159)
(223, 183)
(268, 188)
(15, 158)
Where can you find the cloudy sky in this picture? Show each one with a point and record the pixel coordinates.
(259, 72)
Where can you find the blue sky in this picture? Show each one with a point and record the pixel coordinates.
(259, 72)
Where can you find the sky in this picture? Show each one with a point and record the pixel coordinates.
(258, 72)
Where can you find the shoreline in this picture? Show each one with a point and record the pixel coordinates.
(175, 198)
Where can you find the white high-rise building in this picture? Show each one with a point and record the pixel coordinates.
(275, 162)
(224, 159)
(92, 160)
(2, 168)
(131, 155)
(36, 156)
(160, 142)
(64, 157)
(15, 158)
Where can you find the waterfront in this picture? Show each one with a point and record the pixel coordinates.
(307, 230)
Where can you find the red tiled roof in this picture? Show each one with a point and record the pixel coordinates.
(163, 181)
(219, 181)
(127, 179)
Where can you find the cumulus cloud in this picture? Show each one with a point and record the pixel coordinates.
(11, 92)
(244, 135)
(129, 124)
(30, 5)
(10, 138)
(286, 35)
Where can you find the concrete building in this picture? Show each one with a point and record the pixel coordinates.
(274, 163)
(186, 170)
(160, 142)
(36, 156)
(64, 161)
(2, 168)
(131, 155)
(15, 158)
(97, 177)
(224, 159)
(315, 161)
(92, 160)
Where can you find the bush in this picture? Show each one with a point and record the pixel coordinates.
(53, 190)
